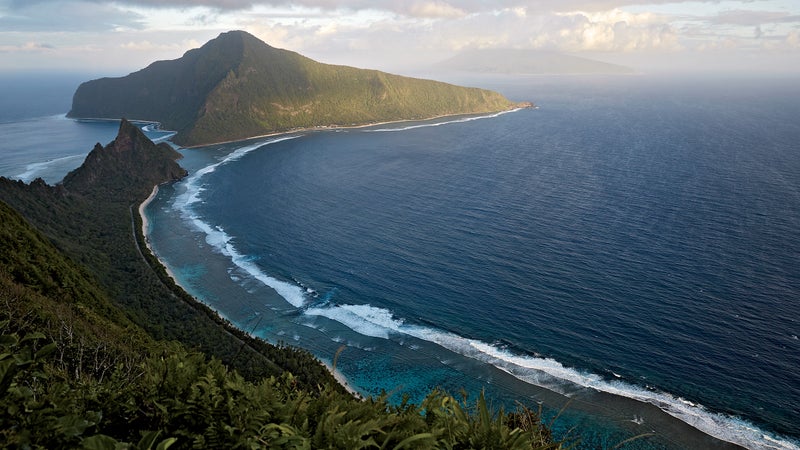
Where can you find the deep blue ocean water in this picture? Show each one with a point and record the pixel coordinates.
(629, 252)
(36, 138)
(48, 147)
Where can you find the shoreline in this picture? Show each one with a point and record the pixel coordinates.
(336, 373)
(340, 378)
(145, 227)
(517, 107)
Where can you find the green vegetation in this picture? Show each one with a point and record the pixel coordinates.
(92, 218)
(99, 350)
(236, 86)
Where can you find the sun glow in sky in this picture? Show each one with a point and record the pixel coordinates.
(116, 37)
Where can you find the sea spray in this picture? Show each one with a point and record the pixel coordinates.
(446, 122)
(550, 374)
(588, 231)
(219, 239)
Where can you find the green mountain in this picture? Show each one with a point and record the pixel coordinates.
(92, 217)
(131, 157)
(525, 62)
(88, 353)
(236, 86)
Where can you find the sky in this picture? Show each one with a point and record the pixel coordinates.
(113, 38)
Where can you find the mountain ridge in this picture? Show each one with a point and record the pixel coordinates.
(526, 62)
(99, 348)
(123, 159)
(236, 86)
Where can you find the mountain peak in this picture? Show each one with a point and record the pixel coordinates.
(236, 86)
(129, 161)
(238, 35)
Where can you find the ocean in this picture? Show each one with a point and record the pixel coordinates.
(626, 257)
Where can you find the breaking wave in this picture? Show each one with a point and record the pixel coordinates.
(34, 169)
(550, 374)
(219, 239)
(437, 124)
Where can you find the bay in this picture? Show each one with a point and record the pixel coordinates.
(625, 256)
(627, 253)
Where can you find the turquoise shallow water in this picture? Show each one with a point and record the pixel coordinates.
(629, 250)
(631, 245)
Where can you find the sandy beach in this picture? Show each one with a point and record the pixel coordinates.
(145, 228)
(339, 376)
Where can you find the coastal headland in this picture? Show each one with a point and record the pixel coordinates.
(253, 89)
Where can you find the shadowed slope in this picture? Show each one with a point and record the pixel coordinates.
(236, 86)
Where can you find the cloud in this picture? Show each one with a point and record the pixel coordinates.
(435, 9)
(430, 8)
(793, 39)
(131, 33)
(615, 31)
(753, 18)
(67, 16)
(27, 47)
(147, 46)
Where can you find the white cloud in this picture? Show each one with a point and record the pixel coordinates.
(793, 39)
(131, 33)
(27, 47)
(435, 10)
(147, 46)
(750, 18)
(66, 16)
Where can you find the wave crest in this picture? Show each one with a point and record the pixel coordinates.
(550, 374)
(217, 238)
(437, 124)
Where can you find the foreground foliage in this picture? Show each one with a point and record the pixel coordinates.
(91, 218)
(99, 349)
(75, 376)
(178, 397)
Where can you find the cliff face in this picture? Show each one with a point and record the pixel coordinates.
(126, 168)
(90, 217)
(236, 86)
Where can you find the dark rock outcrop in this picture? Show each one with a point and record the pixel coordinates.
(126, 168)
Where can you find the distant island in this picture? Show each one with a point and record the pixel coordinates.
(525, 62)
(236, 87)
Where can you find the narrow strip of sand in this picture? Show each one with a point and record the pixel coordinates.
(337, 375)
(145, 229)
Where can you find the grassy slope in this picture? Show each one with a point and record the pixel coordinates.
(91, 218)
(236, 86)
(275, 90)
(80, 367)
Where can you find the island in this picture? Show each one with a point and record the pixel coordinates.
(236, 87)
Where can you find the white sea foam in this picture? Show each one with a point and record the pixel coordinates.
(549, 373)
(437, 124)
(163, 138)
(33, 169)
(546, 372)
(220, 240)
(363, 319)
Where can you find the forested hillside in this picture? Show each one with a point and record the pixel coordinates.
(236, 86)
(99, 348)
